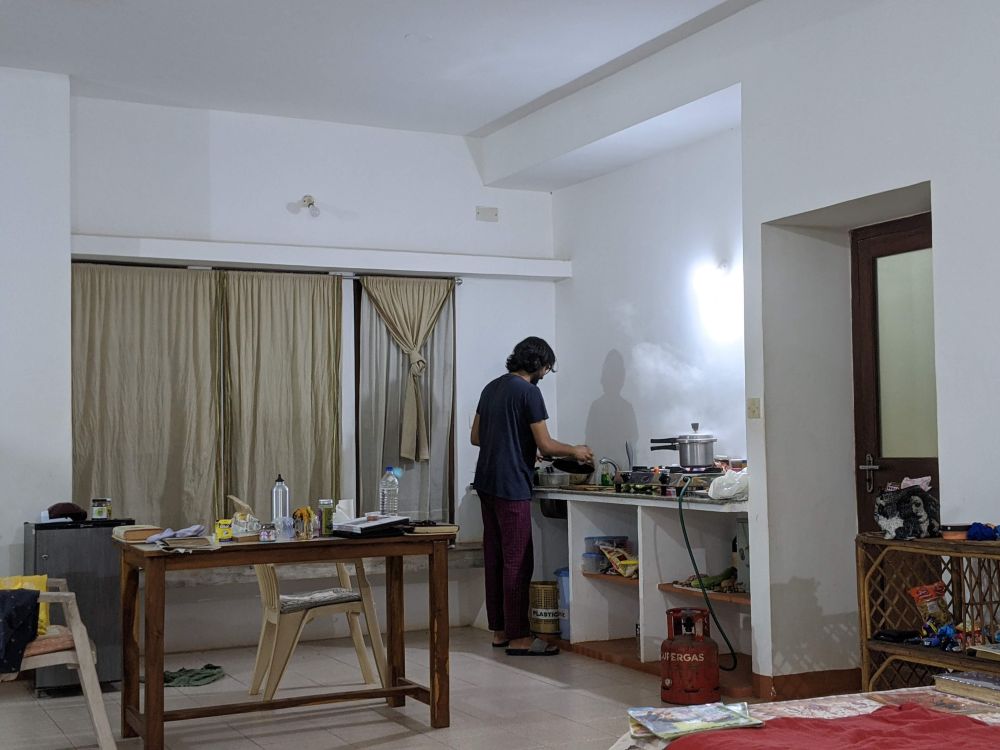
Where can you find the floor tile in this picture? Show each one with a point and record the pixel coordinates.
(497, 703)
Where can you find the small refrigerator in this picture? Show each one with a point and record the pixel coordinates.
(84, 554)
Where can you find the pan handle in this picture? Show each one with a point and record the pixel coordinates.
(663, 440)
(663, 447)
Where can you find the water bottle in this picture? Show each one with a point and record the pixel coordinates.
(388, 493)
(281, 513)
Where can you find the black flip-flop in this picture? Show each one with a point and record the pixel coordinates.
(502, 644)
(537, 648)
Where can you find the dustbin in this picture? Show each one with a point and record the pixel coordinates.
(562, 578)
(544, 612)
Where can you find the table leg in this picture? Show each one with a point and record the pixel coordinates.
(153, 644)
(130, 643)
(395, 649)
(438, 559)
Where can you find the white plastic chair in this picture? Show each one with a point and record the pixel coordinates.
(284, 616)
(69, 644)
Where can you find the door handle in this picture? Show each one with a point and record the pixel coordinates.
(869, 467)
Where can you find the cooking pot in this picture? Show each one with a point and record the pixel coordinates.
(695, 450)
(576, 472)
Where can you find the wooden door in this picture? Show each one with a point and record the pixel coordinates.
(895, 403)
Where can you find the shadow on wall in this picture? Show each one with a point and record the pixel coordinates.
(799, 624)
(611, 419)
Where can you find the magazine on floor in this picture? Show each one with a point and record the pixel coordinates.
(670, 722)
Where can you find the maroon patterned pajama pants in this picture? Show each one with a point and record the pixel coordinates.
(509, 557)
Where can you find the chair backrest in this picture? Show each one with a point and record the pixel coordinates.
(270, 592)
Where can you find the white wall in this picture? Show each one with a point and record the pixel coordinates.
(492, 316)
(650, 329)
(150, 171)
(35, 432)
(809, 394)
(840, 100)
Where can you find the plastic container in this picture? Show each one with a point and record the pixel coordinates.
(593, 562)
(281, 509)
(100, 507)
(562, 579)
(388, 493)
(327, 509)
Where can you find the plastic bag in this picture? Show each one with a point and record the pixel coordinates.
(733, 485)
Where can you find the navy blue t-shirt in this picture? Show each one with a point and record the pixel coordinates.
(507, 408)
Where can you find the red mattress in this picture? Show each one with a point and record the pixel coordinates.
(905, 727)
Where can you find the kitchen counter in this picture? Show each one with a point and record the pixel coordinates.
(598, 494)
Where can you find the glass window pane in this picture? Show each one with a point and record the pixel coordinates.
(908, 394)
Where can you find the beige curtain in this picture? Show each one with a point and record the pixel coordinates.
(282, 386)
(425, 487)
(410, 308)
(146, 420)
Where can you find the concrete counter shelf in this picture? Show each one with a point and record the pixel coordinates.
(605, 609)
(741, 598)
(613, 579)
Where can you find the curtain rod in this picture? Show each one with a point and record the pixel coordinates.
(348, 275)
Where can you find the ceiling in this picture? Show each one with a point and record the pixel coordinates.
(462, 67)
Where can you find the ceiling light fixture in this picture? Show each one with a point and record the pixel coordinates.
(307, 202)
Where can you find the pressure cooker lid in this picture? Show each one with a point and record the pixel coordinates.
(696, 437)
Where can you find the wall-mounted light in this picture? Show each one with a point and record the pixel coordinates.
(305, 202)
(718, 289)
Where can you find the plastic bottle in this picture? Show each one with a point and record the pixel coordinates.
(388, 493)
(281, 512)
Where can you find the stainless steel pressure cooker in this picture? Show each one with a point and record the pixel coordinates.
(696, 450)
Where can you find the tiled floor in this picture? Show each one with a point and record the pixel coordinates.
(497, 701)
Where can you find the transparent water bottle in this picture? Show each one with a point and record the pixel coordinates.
(281, 512)
(388, 493)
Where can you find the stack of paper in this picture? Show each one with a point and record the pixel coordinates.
(670, 722)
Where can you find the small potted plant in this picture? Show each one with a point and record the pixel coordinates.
(304, 519)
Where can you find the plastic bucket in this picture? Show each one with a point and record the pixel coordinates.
(562, 578)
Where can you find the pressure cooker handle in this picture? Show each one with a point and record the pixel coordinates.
(667, 444)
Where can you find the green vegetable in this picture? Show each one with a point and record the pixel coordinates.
(708, 582)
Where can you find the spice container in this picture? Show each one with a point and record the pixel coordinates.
(268, 532)
(326, 512)
(100, 507)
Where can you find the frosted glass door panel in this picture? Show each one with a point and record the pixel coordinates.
(907, 386)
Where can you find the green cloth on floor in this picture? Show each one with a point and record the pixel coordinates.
(192, 677)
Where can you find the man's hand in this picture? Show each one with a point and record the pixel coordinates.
(583, 454)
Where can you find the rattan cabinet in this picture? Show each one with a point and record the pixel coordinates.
(887, 569)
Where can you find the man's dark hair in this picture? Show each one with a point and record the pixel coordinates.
(531, 355)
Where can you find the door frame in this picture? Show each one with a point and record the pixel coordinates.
(867, 245)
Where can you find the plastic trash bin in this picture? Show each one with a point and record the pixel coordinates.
(562, 578)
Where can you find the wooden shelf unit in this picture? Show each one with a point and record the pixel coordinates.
(887, 569)
(716, 596)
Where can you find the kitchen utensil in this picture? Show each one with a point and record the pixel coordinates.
(695, 450)
(629, 455)
(552, 479)
(577, 472)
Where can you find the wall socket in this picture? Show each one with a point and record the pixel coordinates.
(487, 213)
(753, 408)
(745, 621)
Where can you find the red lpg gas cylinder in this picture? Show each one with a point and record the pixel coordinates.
(689, 659)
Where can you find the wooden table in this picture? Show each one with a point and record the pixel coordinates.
(148, 722)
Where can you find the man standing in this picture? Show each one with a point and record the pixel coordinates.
(510, 430)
